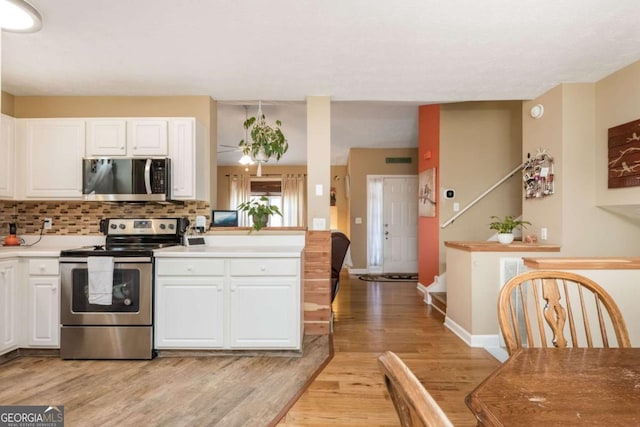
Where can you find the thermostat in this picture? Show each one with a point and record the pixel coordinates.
(449, 194)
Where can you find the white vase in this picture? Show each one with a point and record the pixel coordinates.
(505, 238)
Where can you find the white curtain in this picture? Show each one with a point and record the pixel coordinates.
(239, 192)
(293, 200)
(375, 229)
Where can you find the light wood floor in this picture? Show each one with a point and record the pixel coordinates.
(371, 317)
(233, 391)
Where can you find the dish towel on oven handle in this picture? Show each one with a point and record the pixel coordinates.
(100, 270)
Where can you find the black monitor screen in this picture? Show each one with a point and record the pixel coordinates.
(226, 218)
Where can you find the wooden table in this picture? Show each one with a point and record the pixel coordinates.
(561, 387)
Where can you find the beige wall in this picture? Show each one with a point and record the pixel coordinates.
(7, 104)
(319, 150)
(480, 143)
(363, 162)
(568, 130)
(338, 180)
(546, 133)
(616, 103)
(203, 108)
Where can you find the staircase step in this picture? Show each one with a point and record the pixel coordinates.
(439, 301)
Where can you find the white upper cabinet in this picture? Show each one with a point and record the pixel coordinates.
(52, 157)
(182, 151)
(143, 137)
(147, 137)
(7, 157)
(106, 137)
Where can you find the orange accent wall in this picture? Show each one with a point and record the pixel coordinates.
(428, 227)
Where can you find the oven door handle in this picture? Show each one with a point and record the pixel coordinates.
(121, 260)
(147, 176)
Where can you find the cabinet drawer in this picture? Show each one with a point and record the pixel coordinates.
(43, 267)
(265, 267)
(190, 267)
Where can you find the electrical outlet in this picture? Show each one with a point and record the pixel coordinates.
(48, 223)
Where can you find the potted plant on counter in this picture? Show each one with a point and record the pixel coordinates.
(259, 210)
(505, 227)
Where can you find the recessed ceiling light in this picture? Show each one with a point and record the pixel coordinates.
(18, 16)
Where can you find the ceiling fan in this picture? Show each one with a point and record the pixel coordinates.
(223, 148)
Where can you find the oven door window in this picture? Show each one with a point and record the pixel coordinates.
(126, 292)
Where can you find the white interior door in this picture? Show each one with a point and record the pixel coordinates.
(400, 224)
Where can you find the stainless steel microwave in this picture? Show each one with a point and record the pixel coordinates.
(126, 179)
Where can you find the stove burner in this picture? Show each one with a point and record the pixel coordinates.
(134, 237)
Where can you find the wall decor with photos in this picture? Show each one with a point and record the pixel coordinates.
(427, 193)
(537, 175)
(624, 155)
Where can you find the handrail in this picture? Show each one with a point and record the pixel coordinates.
(477, 199)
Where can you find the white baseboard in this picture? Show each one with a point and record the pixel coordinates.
(499, 353)
(482, 341)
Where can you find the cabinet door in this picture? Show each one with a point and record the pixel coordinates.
(54, 151)
(7, 157)
(182, 151)
(189, 312)
(264, 312)
(147, 137)
(44, 311)
(106, 137)
(8, 306)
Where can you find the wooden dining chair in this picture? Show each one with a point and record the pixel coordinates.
(558, 309)
(414, 404)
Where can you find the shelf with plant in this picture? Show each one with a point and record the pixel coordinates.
(505, 226)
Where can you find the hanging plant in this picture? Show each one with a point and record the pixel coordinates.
(266, 141)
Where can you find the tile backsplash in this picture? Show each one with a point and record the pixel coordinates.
(73, 218)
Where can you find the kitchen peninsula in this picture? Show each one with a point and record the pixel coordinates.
(238, 291)
(475, 273)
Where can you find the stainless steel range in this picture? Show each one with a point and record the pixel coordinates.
(106, 306)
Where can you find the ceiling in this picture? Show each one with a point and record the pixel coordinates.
(376, 60)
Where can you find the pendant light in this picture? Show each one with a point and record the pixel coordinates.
(18, 16)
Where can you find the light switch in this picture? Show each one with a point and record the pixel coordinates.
(358, 220)
(318, 189)
(319, 224)
(456, 206)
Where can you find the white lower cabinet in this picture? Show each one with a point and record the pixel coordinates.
(44, 303)
(9, 303)
(191, 312)
(218, 303)
(262, 313)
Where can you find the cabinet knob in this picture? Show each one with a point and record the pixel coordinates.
(263, 268)
(41, 267)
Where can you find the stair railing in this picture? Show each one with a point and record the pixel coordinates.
(480, 197)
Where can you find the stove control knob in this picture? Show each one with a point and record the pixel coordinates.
(171, 226)
(113, 226)
(162, 226)
(122, 226)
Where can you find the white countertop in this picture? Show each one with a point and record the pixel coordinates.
(48, 246)
(229, 252)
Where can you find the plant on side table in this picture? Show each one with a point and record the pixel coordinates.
(505, 226)
(259, 210)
